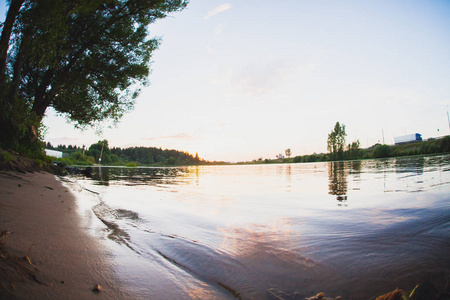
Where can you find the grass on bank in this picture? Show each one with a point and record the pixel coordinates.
(10, 160)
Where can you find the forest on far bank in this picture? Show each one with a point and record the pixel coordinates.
(100, 152)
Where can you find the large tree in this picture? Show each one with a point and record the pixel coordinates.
(336, 141)
(85, 58)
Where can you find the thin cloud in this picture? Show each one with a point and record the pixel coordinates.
(220, 28)
(218, 10)
(179, 136)
(62, 140)
(258, 80)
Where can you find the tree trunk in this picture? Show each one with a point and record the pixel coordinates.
(41, 100)
(13, 11)
(18, 64)
(41, 108)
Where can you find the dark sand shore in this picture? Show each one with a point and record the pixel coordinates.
(45, 253)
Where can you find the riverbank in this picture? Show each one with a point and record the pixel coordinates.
(45, 253)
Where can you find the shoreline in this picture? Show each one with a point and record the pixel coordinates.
(45, 253)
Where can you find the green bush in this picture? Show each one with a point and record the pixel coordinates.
(66, 160)
(22, 130)
(444, 144)
(170, 161)
(7, 157)
(114, 158)
(310, 158)
(382, 151)
(434, 148)
(79, 158)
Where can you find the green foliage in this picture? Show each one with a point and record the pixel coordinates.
(382, 151)
(426, 147)
(170, 161)
(114, 158)
(79, 158)
(297, 159)
(444, 144)
(21, 130)
(100, 150)
(87, 59)
(67, 161)
(131, 157)
(336, 141)
(353, 151)
(310, 158)
(7, 157)
(151, 155)
(14, 161)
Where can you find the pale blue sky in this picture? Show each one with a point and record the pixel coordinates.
(240, 80)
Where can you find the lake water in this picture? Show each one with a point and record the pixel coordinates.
(282, 231)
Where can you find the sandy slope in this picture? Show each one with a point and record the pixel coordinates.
(39, 221)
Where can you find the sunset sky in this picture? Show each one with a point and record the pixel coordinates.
(239, 80)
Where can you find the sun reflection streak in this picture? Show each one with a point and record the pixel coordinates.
(277, 241)
(202, 291)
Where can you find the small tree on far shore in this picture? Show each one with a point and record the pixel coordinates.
(353, 150)
(336, 141)
(288, 152)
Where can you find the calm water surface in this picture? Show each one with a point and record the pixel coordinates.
(351, 229)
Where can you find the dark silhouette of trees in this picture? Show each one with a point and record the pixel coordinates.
(152, 155)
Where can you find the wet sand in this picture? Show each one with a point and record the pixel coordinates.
(45, 252)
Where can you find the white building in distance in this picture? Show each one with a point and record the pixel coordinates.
(54, 153)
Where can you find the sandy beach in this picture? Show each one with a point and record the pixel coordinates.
(45, 253)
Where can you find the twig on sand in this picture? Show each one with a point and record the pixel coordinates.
(4, 234)
(271, 292)
(27, 257)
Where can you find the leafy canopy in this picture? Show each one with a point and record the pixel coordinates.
(87, 59)
(336, 141)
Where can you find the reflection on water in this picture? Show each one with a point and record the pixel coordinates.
(338, 180)
(139, 176)
(337, 176)
(356, 229)
(415, 166)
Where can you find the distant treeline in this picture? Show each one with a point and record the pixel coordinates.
(151, 155)
(133, 156)
(435, 146)
(147, 156)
